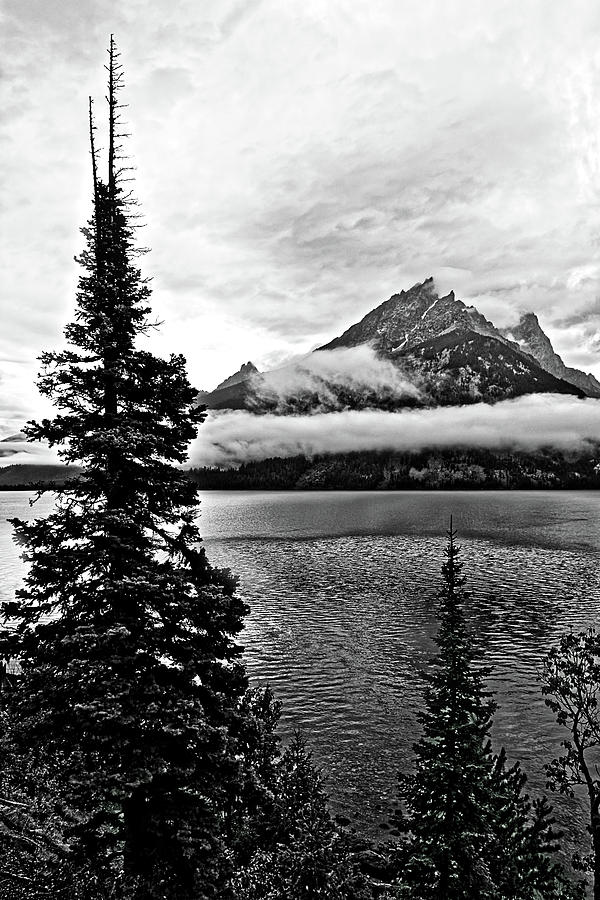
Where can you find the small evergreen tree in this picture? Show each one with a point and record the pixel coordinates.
(304, 856)
(124, 632)
(473, 833)
(251, 819)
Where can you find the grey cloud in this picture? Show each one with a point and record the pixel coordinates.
(314, 160)
(586, 313)
(167, 85)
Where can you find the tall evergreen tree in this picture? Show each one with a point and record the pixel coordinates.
(124, 632)
(473, 833)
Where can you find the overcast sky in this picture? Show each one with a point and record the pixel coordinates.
(300, 161)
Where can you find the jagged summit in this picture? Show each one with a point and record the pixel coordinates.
(245, 371)
(454, 352)
(531, 338)
(411, 317)
(233, 391)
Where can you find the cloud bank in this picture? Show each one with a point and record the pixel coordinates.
(527, 423)
(354, 371)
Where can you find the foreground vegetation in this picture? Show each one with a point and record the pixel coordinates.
(136, 761)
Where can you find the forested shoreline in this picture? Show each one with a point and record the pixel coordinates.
(455, 469)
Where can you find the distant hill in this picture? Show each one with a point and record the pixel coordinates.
(14, 438)
(26, 475)
(432, 469)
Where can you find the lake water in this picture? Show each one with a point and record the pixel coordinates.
(342, 592)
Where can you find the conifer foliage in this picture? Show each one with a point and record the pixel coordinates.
(124, 632)
(472, 830)
(304, 855)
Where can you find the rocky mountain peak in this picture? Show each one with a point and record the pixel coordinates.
(532, 339)
(232, 392)
(411, 317)
(245, 372)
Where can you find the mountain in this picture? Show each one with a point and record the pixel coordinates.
(449, 350)
(452, 350)
(233, 392)
(465, 366)
(530, 337)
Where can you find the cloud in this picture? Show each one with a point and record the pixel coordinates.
(588, 315)
(527, 423)
(300, 162)
(324, 376)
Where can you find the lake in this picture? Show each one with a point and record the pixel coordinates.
(342, 591)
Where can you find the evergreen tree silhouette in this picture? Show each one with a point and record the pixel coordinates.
(124, 632)
(473, 832)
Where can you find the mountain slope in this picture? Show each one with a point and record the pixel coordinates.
(246, 371)
(464, 366)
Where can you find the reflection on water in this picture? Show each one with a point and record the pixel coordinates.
(342, 593)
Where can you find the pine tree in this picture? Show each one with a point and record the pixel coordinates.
(251, 818)
(472, 830)
(447, 797)
(304, 857)
(523, 841)
(124, 632)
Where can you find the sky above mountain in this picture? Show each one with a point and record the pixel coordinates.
(299, 162)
